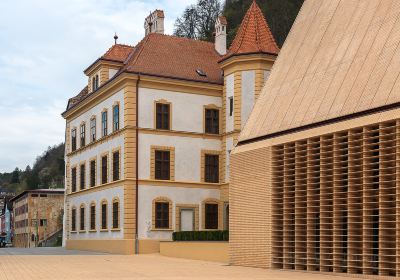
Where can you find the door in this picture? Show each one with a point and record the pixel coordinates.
(187, 219)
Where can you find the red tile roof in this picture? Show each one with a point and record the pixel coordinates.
(254, 35)
(175, 57)
(118, 52)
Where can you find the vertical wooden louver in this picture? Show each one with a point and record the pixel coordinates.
(336, 202)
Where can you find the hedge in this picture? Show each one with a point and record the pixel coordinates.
(215, 235)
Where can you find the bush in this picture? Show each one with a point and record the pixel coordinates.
(215, 235)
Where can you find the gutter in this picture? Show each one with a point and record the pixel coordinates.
(137, 167)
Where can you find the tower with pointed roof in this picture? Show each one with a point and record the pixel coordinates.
(246, 67)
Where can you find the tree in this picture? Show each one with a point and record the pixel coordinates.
(198, 21)
(280, 15)
(15, 176)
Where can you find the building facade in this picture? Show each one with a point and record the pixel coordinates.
(38, 215)
(317, 164)
(148, 139)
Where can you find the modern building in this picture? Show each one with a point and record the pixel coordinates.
(38, 215)
(148, 138)
(315, 176)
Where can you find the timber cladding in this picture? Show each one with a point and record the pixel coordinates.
(250, 208)
(336, 202)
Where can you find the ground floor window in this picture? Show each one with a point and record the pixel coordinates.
(211, 215)
(162, 214)
(115, 214)
(73, 219)
(104, 215)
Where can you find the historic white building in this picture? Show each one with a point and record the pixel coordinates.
(148, 139)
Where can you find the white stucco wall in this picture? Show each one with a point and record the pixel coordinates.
(178, 195)
(187, 154)
(97, 197)
(97, 151)
(229, 147)
(229, 93)
(96, 111)
(248, 88)
(187, 109)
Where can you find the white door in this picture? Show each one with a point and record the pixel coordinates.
(187, 219)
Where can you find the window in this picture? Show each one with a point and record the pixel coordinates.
(93, 173)
(92, 216)
(104, 169)
(162, 215)
(104, 215)
(231, 106)
(95, 82)
(115, 117)
(211, 215)
(73, 139)
(211, 168)
(162, 165)
(104, 123)
(115, 214)
(82, 177)
(73, 179)
(82, 218)
(73, 219)
(212, 121)
(116, 166)
(162, 116)
(93, 129)
(43, 222)
(83, 128)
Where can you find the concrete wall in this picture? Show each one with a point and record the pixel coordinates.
(205, 251)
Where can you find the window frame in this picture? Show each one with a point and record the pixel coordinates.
(73, 140)
(104, 123)
(231, 105)
(82, 176)
(162, 165)
(212, 124)
(116, 117)
(115, 214)
(214, 223)
(93, 129)
(73, 219)
(92, 225)
(104, 173)
(166, 217)
(82, 135)
(162, 120)
(116, 165)
(82, 217)
(104, 216)
(93, 173)
(74, 179)
(211, 176)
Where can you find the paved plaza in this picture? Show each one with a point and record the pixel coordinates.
(57, 263)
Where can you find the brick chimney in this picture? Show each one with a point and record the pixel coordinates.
(220, 35)
(154, 23)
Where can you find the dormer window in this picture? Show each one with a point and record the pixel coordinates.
(95, 82)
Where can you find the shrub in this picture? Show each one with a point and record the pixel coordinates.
(215, 235)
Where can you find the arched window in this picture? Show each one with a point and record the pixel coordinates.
(82, 218)
(93, 216)
(93, 83)
(211, 214)
(116, 117)
(73, 219)
(104, 215)
(97, 81)
(115, 213)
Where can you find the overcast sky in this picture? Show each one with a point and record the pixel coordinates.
(44, 47)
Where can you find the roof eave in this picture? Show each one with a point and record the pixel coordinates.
(87, 71)
(245, 54)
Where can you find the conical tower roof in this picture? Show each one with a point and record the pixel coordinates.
(254, 35)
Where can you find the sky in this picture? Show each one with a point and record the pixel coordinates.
(44, 47)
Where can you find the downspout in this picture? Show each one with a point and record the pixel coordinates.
(137, 167)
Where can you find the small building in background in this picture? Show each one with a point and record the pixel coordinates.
(37, 217)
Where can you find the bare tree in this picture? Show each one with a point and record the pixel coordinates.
(197, 21)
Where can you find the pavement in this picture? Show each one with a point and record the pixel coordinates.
(57, 263)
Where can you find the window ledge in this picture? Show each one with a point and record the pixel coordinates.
(73, 231)
(104, 230)
(92, 230)
(162, 229)
(115, 229)
(82, 231)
